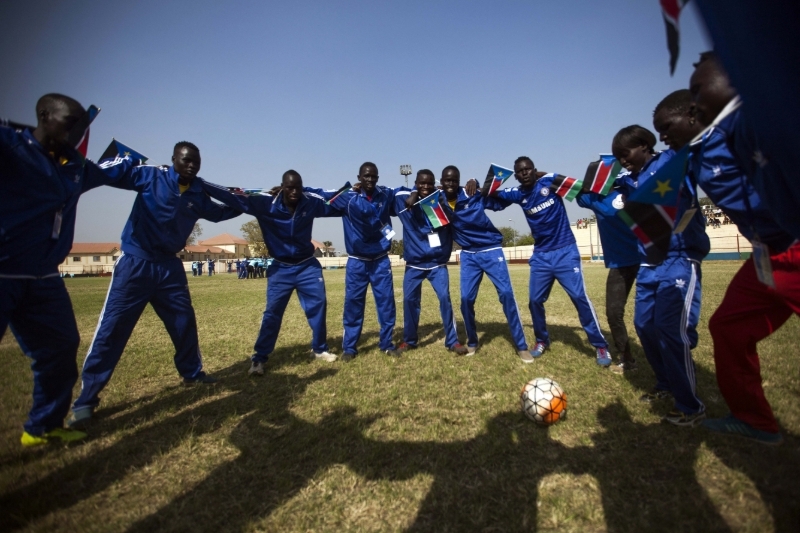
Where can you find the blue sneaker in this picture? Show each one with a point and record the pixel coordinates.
(733, 426)
(603, 357)
(538, 349)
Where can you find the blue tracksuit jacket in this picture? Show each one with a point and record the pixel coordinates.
(162, 218)
(35, 192)
(620, 245)
(544, 212)
(720, 173)
(417, 250)
(360, 240)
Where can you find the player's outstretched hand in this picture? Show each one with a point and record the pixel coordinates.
(471, 187)
(357, 188)
(275, 190)
(412, 199)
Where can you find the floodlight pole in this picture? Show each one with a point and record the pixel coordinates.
(405, 170)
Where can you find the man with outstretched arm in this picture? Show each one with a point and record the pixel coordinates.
(42, 176)
(426, 252)
(555, 256)
(368, 261)
(481, 253)
(168, 204)
(287, 220)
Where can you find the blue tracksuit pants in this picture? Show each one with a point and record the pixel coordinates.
(412, 302)
(666, 315)
(358, 276)
(41, 318)
(564, 265)
(135, 283)
(493, 263)
(282, 280)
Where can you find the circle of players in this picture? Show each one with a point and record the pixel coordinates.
(43, 174)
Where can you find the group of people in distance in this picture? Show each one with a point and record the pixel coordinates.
(38, 226)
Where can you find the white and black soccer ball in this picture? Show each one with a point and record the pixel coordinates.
(543, 401)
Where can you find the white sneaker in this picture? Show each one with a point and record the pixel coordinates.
(471, 350)
(256, 369)
(325, 356)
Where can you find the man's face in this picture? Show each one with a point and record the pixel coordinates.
(451, 183)
(292, 190)
(711, 91)
(368, 177)
(58, 123)
(525, 173)
(425, 185)
(675, 129)
(186, 162)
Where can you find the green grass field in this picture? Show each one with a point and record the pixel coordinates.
(430, 442)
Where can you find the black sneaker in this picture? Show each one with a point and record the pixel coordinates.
(655, 394)
(204, 379)
(347, 357)
(679, 418)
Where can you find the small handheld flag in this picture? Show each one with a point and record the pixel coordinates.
(116, 148)
(566, 187)
(82, 127)
(340, 192)
(663, 187)
(671, 9)
(601, 174)
(433, 210)
(496, 176)
(239, 191)
(652, 224)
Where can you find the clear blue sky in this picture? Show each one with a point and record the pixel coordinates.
(323, 86)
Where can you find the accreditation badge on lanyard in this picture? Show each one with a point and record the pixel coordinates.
(763, 263)
(433, 240)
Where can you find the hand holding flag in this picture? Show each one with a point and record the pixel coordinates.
(601, 174)
(117, 149)
(433, 210)
(496, 176)
(566, 187)
(340, 192)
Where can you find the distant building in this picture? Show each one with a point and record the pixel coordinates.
(320, 250)
(90, 258)
(198, 252)
(230, 244)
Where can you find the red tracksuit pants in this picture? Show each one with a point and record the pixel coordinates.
(750, 312)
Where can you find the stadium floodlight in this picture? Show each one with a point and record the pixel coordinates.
(405, 170)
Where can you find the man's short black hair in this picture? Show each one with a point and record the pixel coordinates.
(635, 135)
(451, 167)
(185, 144)
(425, 172)
(49, 100)
(366, 164)
(291, 173)
(707, 56)
(522, 158)
(677, 102)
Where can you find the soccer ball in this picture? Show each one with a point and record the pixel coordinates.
(543, 401)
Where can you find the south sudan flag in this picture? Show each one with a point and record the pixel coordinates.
(652, 224)
(117, 149)
(601, 174)
(433, 210)
(566, 187)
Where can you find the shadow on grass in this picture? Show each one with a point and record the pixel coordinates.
(645, 473)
